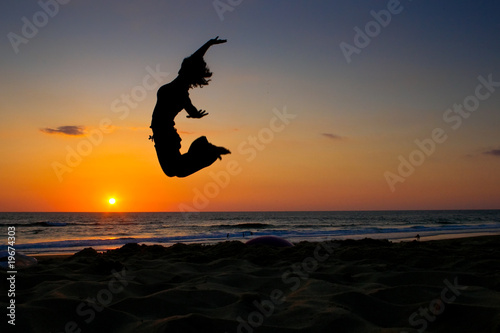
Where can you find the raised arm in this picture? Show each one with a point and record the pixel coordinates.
(202, 50)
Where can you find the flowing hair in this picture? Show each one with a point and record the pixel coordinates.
(195, 71)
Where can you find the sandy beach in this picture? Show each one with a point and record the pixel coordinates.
(365, 285)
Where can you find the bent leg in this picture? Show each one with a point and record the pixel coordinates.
(169, 161)
(200, 155)
(167, 145)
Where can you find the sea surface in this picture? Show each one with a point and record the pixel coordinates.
(66, 233)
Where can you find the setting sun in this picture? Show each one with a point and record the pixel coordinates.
(112, 201)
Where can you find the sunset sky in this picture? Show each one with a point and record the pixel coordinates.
(325, 105)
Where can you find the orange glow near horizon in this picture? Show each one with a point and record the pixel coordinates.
(282, 176)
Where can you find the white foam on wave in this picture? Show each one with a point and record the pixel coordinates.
(389, 233)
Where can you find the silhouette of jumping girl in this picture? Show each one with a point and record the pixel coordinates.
(173, 98)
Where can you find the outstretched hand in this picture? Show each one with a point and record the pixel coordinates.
(216, 40)
(197, 114)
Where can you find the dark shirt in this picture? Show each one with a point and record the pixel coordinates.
(171, 99)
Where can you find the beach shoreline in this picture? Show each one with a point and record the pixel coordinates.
(68, 233)
(362, 285)
(423, 238)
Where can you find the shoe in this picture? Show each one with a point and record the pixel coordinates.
(221, 151)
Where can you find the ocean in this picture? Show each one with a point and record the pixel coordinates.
(67, 233)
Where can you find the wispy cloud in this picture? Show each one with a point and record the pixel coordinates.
(493, 152)
(137, 128)
(65, 130)
(332, 136)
